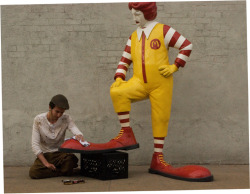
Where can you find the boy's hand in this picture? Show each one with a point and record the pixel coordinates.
(79, 137)
(167, 70)
(51, 166)
(117, 82)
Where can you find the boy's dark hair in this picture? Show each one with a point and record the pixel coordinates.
(52, 105)
(60, 101)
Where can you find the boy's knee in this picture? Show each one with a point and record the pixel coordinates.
(33, 174)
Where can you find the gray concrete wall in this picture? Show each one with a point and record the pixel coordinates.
(74, 49)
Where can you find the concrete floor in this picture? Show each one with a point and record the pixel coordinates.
(16, 180)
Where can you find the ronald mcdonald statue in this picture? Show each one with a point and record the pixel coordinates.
(147, 48)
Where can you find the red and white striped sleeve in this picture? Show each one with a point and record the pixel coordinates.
(124, 62)
(172, 38)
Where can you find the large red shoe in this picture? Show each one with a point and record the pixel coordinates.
(189, 173)
(124, 141)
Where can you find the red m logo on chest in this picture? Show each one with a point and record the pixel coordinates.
(155, 44)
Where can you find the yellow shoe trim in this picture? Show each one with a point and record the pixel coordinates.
(162, 160)
(120, 134)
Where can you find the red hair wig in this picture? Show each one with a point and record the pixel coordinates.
(149, 9)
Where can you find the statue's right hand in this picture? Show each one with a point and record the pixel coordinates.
(117, 82)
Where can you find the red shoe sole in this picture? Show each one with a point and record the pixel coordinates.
(68, 150)
(205, 179)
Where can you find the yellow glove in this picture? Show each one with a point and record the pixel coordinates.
(167, 70)
(117, 82)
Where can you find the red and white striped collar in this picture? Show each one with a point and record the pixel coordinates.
(147, 29)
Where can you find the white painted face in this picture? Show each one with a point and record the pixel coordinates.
(138, 17)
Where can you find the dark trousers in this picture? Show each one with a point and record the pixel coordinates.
(64, 163)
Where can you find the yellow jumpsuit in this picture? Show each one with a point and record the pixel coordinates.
(147, 56)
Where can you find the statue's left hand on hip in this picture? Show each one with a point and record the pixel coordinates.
(167, 70)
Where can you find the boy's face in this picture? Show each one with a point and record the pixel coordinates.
(56, 113)
(138, 17)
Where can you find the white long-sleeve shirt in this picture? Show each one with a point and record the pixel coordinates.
(47, 137)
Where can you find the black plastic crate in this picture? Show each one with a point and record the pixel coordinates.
(105, 166)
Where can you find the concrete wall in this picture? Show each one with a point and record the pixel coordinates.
(74, 49)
